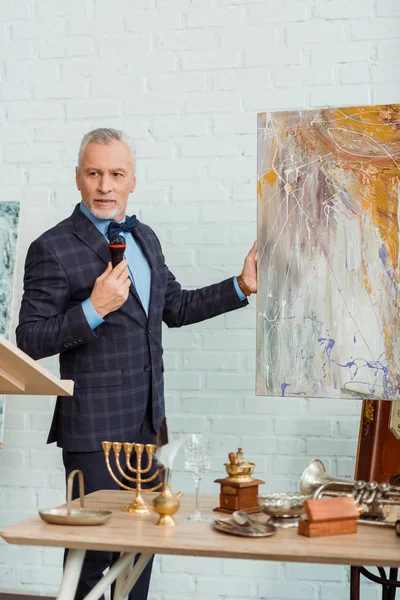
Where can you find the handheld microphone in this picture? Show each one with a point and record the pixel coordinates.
(117, 247)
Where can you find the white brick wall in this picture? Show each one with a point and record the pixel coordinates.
(185, 78)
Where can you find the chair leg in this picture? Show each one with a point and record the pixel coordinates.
(354, 583)
(393, 573)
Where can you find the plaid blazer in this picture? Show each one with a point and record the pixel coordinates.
(116, 366)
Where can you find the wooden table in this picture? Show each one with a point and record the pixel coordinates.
(131, 534)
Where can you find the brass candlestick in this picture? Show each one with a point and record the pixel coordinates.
(138, 505)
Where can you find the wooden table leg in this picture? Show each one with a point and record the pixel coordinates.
(124, 562)
(72, 572)
(126, 581)
(123, 571)
(354, 583)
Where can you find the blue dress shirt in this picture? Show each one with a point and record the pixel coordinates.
(139, 270)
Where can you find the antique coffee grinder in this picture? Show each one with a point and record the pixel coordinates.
(239, 490)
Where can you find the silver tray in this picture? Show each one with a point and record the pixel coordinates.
(75, 516)
(378, 523)
(61, 516)
(228, 525)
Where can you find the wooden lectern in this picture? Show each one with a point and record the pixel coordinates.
(20, 374)
(378, 459)
(378, 453)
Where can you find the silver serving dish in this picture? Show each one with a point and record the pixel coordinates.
(75, 516)
(285, 508)
(63, 516)
(228, 525)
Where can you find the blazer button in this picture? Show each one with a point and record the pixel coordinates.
(66, 345)
(80, 339)
(147, 367)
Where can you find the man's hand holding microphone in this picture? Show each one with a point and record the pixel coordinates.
(111, 289)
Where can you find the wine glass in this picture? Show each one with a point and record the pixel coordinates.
(197, 451)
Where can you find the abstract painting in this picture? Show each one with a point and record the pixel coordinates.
(328, 253)
(9, 214)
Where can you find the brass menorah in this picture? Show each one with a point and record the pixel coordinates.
(138, 505)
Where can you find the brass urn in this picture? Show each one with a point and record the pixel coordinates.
(166, 504)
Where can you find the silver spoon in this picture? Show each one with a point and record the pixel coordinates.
(243, 519)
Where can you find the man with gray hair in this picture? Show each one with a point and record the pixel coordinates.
(106, 323)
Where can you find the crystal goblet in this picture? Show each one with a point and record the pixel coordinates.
(197, 450)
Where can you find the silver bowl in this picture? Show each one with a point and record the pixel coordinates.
(285, 508)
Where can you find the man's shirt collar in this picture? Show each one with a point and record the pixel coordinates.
(100, 224)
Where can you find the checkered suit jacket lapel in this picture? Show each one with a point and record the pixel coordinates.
(91, 236)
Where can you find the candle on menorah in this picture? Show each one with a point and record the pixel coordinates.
(138, 505)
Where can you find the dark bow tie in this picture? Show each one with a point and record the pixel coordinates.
(115, 228)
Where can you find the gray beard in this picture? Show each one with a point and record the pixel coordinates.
(100, 214)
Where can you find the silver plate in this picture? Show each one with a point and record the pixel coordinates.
(60, 516)
(378, 523)
(229, 526)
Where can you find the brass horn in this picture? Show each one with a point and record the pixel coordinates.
(373, 496)
(315, 475)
